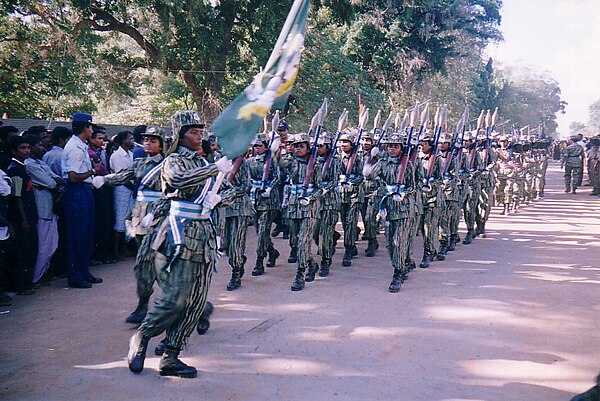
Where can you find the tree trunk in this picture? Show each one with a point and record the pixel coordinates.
(208, 107)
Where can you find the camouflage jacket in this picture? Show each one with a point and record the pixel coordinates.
(296, 171)
(256, 167)
(433, 197)
(450, 180)
(387, 171)
(352, 190)
(330, 199)
(239, 204)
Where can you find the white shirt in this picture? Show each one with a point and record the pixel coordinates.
(120, 160)
(76, 158)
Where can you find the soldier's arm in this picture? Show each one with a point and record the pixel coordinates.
(177, 176)
(120, 178)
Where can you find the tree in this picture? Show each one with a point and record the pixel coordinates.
(594, 121)
(576, 128)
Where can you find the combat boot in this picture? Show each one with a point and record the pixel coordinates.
(293, 255)
(170, 365)
(137, 352)
(452, 243)
(410, 265)
(204, 322)
(298, 283)
(396, 283)
(273, 255)
(336, 238)
(347, 259)
(160, 348)
(259, 268)
(138, 315)
(372, 247)
(313, 268)
(443, 250)
(236, 280)
(468, 238)
(426, 260)
(242, 270)
(324, 270)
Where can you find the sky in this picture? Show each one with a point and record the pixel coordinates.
(561, 37)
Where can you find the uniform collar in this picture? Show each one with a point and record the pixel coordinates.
(183, 151)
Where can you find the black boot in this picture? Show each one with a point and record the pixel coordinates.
(160, 348)
(313, 268)
(242, 270)
(259, 268)
(286, 232)
(236, 280)
(273, 255)
(426, 260)
(468, 238)
(336, 237)
(443, 250)
(170, 365)
(293, 255)
(298, 283)
(138, 315)
(204, 323)
(137, 352)
(452, 243)
(410, 265)
(372, 247)
(324, 270)
(347, 259)
(396, 283)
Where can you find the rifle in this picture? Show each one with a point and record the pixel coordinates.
(363, 119)
(386, 126)
(318, 121)
(342, 123)
(473, 146)
(236, 164)
(490, 123)
(460, 128)
(269, 154)
(422, 128)
(439, 123)
(404, 158)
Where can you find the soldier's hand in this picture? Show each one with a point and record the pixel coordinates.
(224, 165)
(266, 193)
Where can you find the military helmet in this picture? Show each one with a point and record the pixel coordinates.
(481, 136)
(259, 139)
(185, 118)
(395, 138)
(469, 136)
(345, 136)
(503, 138)
(324, 138)
(155, 132)
(300, 138)
(445, 138)
(426, 137)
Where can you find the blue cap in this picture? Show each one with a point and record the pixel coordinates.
(81, 118)
(283, 125)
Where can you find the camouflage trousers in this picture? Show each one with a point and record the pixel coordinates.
(301, 234)
(530, 189)
(413, 226)
(263, 221)
(234, 239)
(504, 190)
(594, 172)
(179, 305)
(429, 226)
(484, 206)
(540, 182)
(349, 217)
(518, 191)
(449, 218)
(323, 232)
(470, 206)
(144, 270)
(369, 212)
(396, 235)
(573, 175)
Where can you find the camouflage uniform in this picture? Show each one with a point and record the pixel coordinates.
(450, 207)
(350, 189)
(265, 196)
(505, 178)
(571, 160)
(431, 198)
(484, 207)
(473, 191)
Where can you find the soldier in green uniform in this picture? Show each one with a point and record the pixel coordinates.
(571, 162)
(369, 206)
(185, 247)
(505, 175)
(237, 215)
(328, 212)
(450, 194)
(395, 207)
(302, 209)
(349, 188)
(264, 176)
(431, 199)
(473, 185)
(487, 156)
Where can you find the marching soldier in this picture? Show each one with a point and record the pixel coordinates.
(369, 206)
(264, 175)
(487, 155)
(185, 249)
(301, 210)
(505, 177)
(349, 188)
(450, 195)
(396, 207)
(473, 186)
(325, 235)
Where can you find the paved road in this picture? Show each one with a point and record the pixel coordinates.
(510, 317)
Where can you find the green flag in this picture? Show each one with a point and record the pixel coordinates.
(237, 125)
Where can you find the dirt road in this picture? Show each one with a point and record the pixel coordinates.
(510, 317)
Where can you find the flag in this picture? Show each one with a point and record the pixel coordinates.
(237, 125)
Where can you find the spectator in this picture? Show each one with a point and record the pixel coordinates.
(5, 237)
(103, 199)
(53, 158)
(121, 160)
(43, 133)
(6, 132)
(22, 216)
(79, 203)
(44, 181)
(138, 137)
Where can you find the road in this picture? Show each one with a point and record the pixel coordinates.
(513, 316)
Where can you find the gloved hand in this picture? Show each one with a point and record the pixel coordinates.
(399, 197)
(266, 193)
(147, 220)
(98, 181)
(367, 170)
(210, 201)
(382, 215)
(224, 165)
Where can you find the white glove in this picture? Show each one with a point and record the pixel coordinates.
(147, 220)
(399, 197)
(210, 201)
(98, 181)
(266, 193)
(382, 214)
(224, 165)
(367, 170)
